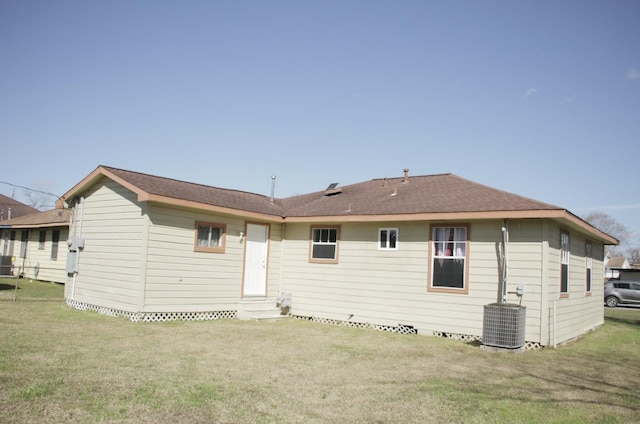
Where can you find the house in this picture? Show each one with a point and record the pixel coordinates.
(42, 250)
(421, 254)
(613, 266)
(10, 208)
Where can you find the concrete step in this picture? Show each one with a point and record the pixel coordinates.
(259, 310)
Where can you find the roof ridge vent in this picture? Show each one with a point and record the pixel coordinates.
(333, 189)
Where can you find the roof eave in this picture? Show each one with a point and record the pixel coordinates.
(561, 215)
(260, 216)
(94, 177)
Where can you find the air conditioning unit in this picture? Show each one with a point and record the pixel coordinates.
(6, 265)
(504, 325)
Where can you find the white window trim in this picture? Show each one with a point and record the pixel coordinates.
(312, 243)
(565, 259)
(388, 230)
(455, 255)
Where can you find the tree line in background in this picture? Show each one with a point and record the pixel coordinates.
(615, 228)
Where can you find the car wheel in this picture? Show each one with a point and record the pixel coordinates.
(611, 301)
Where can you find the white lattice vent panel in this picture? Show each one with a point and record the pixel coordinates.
(402, 329)
(454, 336)
(154, 316)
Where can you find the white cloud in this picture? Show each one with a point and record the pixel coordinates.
(530, 92)
(633, 74)
(569, 99)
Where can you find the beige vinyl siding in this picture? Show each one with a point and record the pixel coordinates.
(526, 260)
(274, 262)
(109, 266)
(390, 287)
(579, 312)
(181, 279)
(48, 269)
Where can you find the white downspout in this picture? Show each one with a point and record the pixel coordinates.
(77, 233)
(505, 260)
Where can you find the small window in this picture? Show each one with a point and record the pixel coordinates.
(42, 240)
(565, 243)
(55, 239)
(12, 242)
(588, 253)
(388, 239)
(324, 244)
(449, 259)
(24, 238)
(210, 237)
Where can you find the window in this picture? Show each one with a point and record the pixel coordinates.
(564, 262)
(449, 258)
(12, 242)
(210, 237)
(588, 253)
(324, 244)
(55, 238)
(24, 238)
(5, 247)
(42, 239)
(388, 239)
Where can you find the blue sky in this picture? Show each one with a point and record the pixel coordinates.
(539, 98)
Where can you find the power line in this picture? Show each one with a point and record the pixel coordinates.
(30, 189)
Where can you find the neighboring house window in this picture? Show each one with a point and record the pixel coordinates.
(388, 239)
(12, 242)
(449, 250)
(55, 238)
(210, 237)
(565, 243)
(324, 244)
(588, 253)
(42, 240)
(24, 238)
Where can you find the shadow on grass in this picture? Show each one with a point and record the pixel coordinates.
(624, 321)
(8, 287)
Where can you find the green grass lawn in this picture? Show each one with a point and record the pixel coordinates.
(60, 365)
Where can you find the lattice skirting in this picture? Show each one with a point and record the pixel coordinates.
(154, 316)
(404, 329)
(470, 339)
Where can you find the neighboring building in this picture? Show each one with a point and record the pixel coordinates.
(614, 265)
(35, 245)
(425, 253)
(630, 274)
(10, 208)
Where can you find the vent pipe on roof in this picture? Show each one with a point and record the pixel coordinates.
(406, 175)
(273, 187)
(385, 181)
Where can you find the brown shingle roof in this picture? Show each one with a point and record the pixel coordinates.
(617, 262)
(50, 218)
(17, 208)
(198, 193)
(432, 197)
(445, 193)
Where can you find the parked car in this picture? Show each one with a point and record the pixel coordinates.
(621, 292)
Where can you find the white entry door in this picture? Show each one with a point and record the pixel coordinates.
(255, 260)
